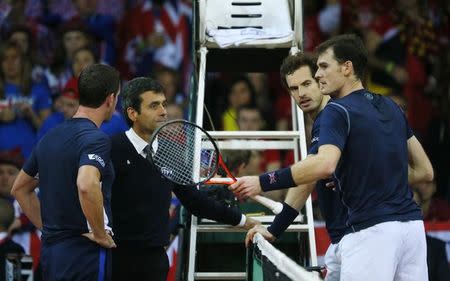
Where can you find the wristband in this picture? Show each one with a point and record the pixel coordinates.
(279, 179)
(282, 221)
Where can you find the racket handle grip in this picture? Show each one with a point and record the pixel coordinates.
(227, 181)
(275, 207)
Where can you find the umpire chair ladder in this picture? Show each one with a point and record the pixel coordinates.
(257, 55)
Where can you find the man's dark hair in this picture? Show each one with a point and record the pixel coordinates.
(293, 63)
(131, 94)
(347, 47)
(6, 214)
(96, 83)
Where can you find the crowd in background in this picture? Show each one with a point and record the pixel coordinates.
(44, 45)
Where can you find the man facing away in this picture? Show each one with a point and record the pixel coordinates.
(72, 166)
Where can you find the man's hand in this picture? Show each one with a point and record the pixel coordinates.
(261, 230)
(246, 187)
(249, 223)
(104, 240)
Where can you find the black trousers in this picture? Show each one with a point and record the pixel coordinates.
(133, 262)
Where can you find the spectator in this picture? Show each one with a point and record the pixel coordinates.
(7, 246)
(69, 104)
(400, 44)
(101, 26)
(155, 33)
(73, 36)
(21, 230)
(10, 163)
(27, 104)
(42, 35)
(241, 92)
(170, 80)
(22, 36)
(249, 118)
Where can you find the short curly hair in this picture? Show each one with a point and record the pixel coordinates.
(293, 62)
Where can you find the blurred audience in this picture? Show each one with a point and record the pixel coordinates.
(25, 104)
(170, 80)
(433, 209)
(7, 246)
(240, 92)
(438, 266)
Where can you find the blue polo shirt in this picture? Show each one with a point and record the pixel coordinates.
(372, 175)
(330, 204)
(56, 160)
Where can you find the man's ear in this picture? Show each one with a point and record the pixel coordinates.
(348, 68)
(132, 113)
(110, 100)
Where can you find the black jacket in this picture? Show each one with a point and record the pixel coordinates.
(141, 199)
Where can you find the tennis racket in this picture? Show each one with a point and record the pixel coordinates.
(187, 155)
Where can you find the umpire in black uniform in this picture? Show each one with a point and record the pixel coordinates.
(141, 197)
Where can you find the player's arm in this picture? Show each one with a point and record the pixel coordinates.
(419, 165)
(91, 200)
(316, 167)
(295, 200)
(23, 190)
(199, 204)
(296, 197)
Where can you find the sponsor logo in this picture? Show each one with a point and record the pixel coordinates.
(314, 139)
(97, 158)
(166, 172)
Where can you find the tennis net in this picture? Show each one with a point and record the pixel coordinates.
(268, 263)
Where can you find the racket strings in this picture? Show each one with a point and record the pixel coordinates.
(179, 159)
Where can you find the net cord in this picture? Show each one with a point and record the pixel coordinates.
(283, 262)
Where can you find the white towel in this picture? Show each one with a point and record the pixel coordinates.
(227, 37)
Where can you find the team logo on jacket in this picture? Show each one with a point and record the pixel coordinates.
(97, 158)
(314, 139)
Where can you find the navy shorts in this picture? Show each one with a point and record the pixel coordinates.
(75, 259)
